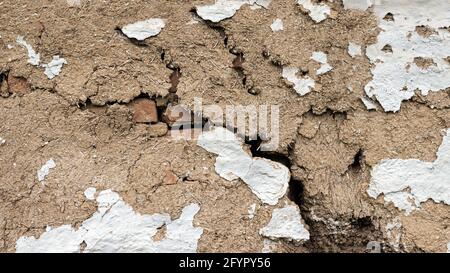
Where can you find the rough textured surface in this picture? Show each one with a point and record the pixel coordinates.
(331, 139)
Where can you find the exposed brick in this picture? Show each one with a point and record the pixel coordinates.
(18, 85)
(144, 111)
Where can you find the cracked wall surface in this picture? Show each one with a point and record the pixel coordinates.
(87, 95)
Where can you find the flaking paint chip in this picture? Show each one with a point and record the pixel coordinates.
(317, 12)
(277, 25)
(144, 29)
(302, 85)
(267, 179)
(45, 170)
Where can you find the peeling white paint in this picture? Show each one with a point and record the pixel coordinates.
(2, 141)
(251, 211)
(408, 183)
(277, 25)
(45, 169)
(354, 50)
(224, 9)
(267, 179)
(33, 57)
(89, 193)
(317, 12)
(286, 223)
(221, 9)
(53, 68)
(116, 228)
(395, 75)
(321, 58)
(370, 105)
(302, 85)
(144, 29)
(358, 4)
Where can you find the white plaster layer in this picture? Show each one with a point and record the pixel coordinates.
(53, 68)
(144, 29)
(317, 12)
(302, 85)
(267, 179)
(115, 227)
(407, 183)
(45, 169)
(448, 247)
(33, 57)
(321, 58)
(89, 193)
(286, 223)
(358, 4)
(395, 75)
(354, 50)
(277, 25)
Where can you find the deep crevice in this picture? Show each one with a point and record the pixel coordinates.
(358, 160)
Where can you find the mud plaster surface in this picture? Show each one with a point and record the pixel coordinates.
(82, 120)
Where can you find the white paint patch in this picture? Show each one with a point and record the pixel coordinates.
(251, 211)
(2, 141)
(317, 12)
(221, 9)
(358, 4)
(224, 9)
(267, 179)
(286, 223)
(448, 247)
(144, 29)
(45, 170)
(302, 85)
(33, 57)
(395, 75)
(116, 228)
(354, 50)
(321, 58)
(53, 68)
(277, 25)
(89, 193)
(370, 105)
(408, 183)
